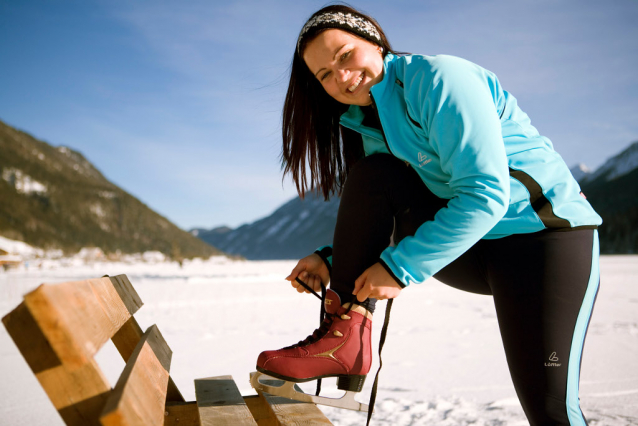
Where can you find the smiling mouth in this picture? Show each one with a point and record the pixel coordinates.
(356, 84)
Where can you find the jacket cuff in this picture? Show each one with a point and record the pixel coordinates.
(387, 268)
(325, 253)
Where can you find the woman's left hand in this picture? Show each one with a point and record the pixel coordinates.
(377, 283)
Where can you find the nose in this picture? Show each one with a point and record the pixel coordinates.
(342, 75)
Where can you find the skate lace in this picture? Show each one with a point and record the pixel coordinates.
(326, 319)
(326, 322)
(317, 334)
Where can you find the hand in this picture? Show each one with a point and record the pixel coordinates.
(312, 271)
(377, 283)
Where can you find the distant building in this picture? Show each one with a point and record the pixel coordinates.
(91, 254)
(9, 260)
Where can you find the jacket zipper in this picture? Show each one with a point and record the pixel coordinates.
(385, 139)
(363, 130)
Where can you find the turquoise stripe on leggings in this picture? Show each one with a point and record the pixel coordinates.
(573, 374)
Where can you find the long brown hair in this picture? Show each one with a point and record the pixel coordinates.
(313, 141)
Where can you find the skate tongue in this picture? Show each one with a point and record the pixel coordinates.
(332, 302)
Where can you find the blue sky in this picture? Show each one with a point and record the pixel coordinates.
(179, 102)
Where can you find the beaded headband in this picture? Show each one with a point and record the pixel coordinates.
(346, 21)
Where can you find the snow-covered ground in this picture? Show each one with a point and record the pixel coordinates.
(443, 360)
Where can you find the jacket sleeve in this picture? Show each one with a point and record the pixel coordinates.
(454, 106)
(325, 253)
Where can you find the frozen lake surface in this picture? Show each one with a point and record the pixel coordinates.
(443, 363)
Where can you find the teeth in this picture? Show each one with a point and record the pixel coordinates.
(356, 84)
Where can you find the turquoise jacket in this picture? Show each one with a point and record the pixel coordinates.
(469, 141)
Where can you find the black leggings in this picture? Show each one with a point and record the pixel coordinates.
(544, 284)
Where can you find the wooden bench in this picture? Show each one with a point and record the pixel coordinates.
(59, 329)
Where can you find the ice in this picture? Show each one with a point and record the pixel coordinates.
(443, 359)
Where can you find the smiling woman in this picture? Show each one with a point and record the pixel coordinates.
(433, 154)
(346, 65)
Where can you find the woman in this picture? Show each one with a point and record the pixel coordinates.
(431, 152)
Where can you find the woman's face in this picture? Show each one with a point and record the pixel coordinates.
(346, 66)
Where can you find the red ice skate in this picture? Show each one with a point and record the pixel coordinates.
(340, 348)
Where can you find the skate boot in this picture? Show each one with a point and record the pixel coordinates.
(340, 348)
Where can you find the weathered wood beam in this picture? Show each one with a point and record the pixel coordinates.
(220, 403)
(78, 392)
(126, 339)
(77, 318)
(286, 411)
(140, 393)
(259, 409)
(181, 414)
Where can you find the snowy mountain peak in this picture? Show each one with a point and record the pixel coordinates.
(580, 171)
(619, 165)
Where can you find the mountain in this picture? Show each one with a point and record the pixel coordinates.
(580, 172)
(613, 192)
(300, 226)
(293, 231)
(54, 198)
(617, 166)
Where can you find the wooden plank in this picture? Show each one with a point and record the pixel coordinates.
(289, 412)
(78, 393)
(181, 414)
(126, 339)
(140, 393)
(127, 293)
(220, 402)
(29, 339)
(77, 318)
(259, 409)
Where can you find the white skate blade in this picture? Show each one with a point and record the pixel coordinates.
(287, 390)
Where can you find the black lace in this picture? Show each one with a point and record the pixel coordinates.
(384, 331)
(325, 319)
(326, 322)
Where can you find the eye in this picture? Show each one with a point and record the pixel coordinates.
(345, 55)
(323, 77)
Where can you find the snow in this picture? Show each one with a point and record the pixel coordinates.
(619, 165)
(19, 248)
(276, 227)
(443, 359)
(96, 209)
(107, 194)
(580, 171)
(22, 182)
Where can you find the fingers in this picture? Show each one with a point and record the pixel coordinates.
(364, 293)
(314, 282)
(312, 271)
(375, 282)
(362, 288)
(303, 277)
(358, 284)
(297, 270)
(311, 280)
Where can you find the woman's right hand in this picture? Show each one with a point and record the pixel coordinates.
(312, 271)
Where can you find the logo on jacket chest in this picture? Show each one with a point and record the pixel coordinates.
(423, 159)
